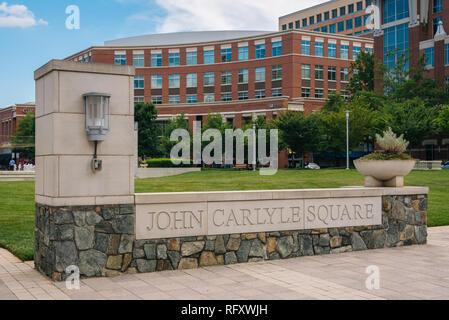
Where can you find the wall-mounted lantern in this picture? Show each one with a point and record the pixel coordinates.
(97, 121)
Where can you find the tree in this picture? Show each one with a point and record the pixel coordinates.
(443, 120)
(146, 114)
(362, 71)
(165, 145)
(298, 132)
(412, 118)
(24, 138)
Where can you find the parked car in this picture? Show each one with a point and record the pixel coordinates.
(313, 166)
(445, 165)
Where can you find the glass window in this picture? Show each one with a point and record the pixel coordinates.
(260, 74)
(341, 26)
(349, 24)
(192, 98)
(437, 6)
(290, 25)
(332, 28)
(334, 13)
(173, 59)
(191, 58)
(173, 100)
(344, 52)
(324, 29)
(276, 72)
(259, 94)
(276, 49)
(191, 80)
(319, 17)
(305, 71)
(226, 96)
(360, 6)
(319, 93)
(209, 79)
(326, 15)
(358, 22)
(355, 52)
(367, 19)
(395, 37)
(209, 57)
(344, 73)
(156, 100)
(345, 94)
(369, 50)
(305, 92)
(342, 11)
(243, 75)
(156, 60)
(312, 20)
(173, 81)
(351, 8)
(332, 50)
(304, 22)
(395, 10)
(226, 77)
(139, 60)
(243, 53)
(430, 57)
(332, 73)
(139, 82)
(139, 99)
(243, 95)
(226, 55)
(319, 49)
(446, 54)
(319, 72)
(156, 81)
(284, 27)
(260, 51)
(298, 24)
(305, 47)
(120, 60)
(368, 3)
(276, 92)
(436, 22)
(209, 97)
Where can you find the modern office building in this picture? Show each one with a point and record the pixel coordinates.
(9, 119)
(418, 28)
(348, 17)
(239, 74)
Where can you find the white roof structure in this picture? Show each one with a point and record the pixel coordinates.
(177, 38)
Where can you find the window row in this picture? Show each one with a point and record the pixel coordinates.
(429, 55)
(319, 93)
(174, 80)
(328, 15)
(208, 56)
(319, 73)
(331, 50)
(210, 97)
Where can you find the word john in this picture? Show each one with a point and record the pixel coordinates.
(212, 153)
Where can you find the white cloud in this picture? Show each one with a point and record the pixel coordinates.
(17, 15)
(190, 15)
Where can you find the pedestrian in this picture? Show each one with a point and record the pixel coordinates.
(12, 164)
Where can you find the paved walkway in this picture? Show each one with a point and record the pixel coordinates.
(416, 272)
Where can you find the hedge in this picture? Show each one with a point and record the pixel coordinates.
(166, 163)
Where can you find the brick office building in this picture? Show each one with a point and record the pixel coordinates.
(239, 74)
(349, 17)
(419, 27)
(9, 121)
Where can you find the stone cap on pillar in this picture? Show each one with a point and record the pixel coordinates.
(100, 68)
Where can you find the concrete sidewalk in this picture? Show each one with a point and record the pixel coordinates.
(415, 272)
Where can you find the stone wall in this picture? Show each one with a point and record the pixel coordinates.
(100, 240)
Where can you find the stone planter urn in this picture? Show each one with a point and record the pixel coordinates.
(384, 173)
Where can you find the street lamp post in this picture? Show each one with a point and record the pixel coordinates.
(347, 139)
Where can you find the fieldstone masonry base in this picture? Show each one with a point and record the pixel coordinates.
(100, 240)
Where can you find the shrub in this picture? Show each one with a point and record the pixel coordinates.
(166, 163)
(390, 143)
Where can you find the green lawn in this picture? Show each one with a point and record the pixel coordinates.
(17, 200)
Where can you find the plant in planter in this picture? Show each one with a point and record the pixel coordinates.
(388, 167)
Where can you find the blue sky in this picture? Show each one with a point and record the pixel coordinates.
(35, 32)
